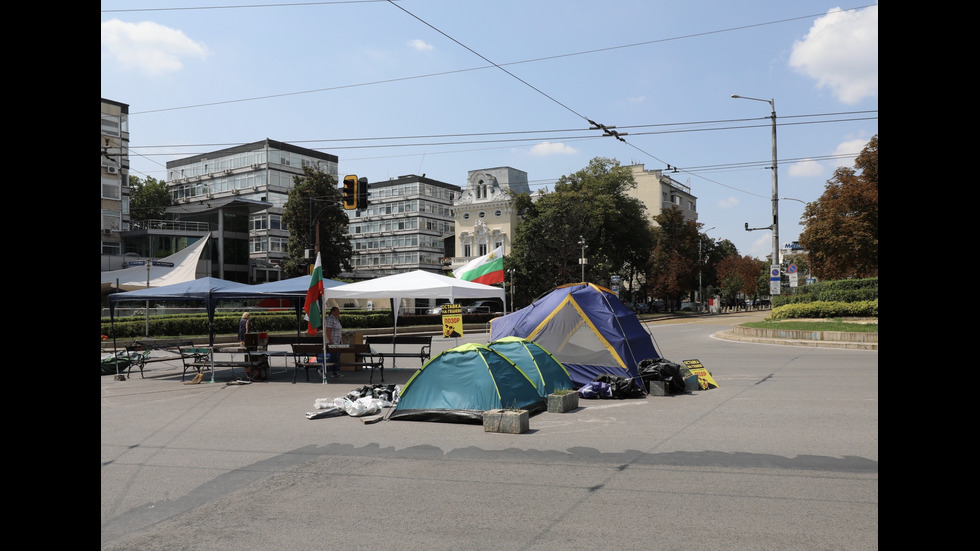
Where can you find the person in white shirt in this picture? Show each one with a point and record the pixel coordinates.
(333, 328)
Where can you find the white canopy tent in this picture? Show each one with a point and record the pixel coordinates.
(176, 268)
(412, 285)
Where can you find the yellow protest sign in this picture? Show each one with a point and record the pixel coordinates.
(452, 321)
(705, 380)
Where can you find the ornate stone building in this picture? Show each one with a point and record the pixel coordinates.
(484, 212)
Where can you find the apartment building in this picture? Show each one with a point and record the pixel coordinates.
(659, 191)
(255, 177)
(114, 173)
(404, 227)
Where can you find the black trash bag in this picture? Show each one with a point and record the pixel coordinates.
(622, 387)
(660, 369)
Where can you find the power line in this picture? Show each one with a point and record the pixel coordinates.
(244, 6)
(536, 135)
(456, 71)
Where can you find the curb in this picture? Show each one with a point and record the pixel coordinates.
(815, 339)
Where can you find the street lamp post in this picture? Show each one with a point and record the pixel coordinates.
(701, 269)
(775, 186)
(582, 261)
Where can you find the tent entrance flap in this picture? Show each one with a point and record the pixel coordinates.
(587, 328)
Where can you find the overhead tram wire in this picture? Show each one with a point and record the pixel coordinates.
(443, 73)
(695, 126)
(609, 131)
(484, 58)
(246, 6)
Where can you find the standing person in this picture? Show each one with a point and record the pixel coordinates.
(243, 327)
(333, 328)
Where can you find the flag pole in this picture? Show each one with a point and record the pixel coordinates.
(322, 301)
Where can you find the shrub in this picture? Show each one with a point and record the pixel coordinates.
(845, 290)
(826, 309)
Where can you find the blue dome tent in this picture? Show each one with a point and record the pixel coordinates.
(586, 327)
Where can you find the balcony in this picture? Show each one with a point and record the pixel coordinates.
(169, 225)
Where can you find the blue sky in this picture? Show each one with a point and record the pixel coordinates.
(441, 87)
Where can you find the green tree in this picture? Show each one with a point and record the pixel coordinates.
(315, 198)
(673, 267)
(840, 231)
(591, 205)
(741, 275)
(148, 199)
(712, 253)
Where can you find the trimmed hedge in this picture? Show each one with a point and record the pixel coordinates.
(826, 309)
(845, 290)
(179, 325)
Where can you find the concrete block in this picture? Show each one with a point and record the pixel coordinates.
(506, 420)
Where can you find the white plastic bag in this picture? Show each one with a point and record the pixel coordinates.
(354, 408)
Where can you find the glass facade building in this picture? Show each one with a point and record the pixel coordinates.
(260, 172)
(404, 227)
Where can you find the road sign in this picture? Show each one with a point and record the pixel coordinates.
(774, 280)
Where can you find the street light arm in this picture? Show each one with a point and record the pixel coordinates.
(775, 185)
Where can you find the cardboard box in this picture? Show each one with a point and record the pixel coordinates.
(350, 338)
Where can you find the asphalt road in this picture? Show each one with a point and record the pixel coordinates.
(783, 455)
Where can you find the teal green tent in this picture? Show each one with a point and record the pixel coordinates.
(545, 371)
(458, 385)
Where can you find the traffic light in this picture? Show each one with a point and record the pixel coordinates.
(362, 193)
(350, 192)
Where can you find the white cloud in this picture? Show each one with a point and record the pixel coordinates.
(762, 246)
(421, 45)
(805, 168)
(841, 53)
(548, 148)
(728, 203)
(148, 47)
(849, 151)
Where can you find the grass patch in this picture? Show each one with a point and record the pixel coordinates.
(827, 325)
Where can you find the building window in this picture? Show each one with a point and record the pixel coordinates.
(110, 125)
(111, 188)
(497, 213)
(111, 220)
(466, 216)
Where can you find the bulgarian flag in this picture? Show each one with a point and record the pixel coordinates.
(486, 269)
(314, 315)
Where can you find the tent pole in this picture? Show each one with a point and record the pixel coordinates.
(323, 332)
(394, 330)
(112, 324)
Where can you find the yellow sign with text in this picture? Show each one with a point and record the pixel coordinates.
(705, 380)
(452, 321)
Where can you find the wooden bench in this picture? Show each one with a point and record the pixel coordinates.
(140, 352)
(303, 351)
(194, 357)
(423, 341)
(200, 357)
